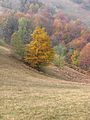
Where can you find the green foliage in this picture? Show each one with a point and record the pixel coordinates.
(22, 23)
(2, 42)
(74, 58)
(26, 27)
(22, 28)
(18, 39)
(59, 59)
(9, 27)
(60, 50)
(18, 45)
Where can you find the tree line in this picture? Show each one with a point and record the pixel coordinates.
(69, 39)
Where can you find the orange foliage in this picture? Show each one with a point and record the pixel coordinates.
(39, 51)
(58, 25)
(85, 56)
(80, 42)
(20, 15)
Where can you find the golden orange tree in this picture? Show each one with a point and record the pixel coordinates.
(39, 52)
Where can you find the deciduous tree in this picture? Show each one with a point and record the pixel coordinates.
(39, 52)
(85, 56)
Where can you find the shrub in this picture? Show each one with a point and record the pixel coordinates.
(74, 58)
(59, 59)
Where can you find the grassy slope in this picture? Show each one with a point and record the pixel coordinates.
(29, 95)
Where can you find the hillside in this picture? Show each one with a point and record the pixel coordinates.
(44, 60)
(29, 95)
(72, 9)
(65, 73)
(70, 35)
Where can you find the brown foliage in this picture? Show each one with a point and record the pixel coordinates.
(85, 56)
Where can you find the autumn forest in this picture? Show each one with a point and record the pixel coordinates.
(44, 59)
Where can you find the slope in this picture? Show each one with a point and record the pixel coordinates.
(72, 9)
(26, 94)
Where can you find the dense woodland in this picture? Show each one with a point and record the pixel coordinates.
(63, 40)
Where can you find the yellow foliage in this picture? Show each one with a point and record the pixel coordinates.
(74, 57)
(39, 51)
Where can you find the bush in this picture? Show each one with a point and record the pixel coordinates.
(74, 58)
(59, 59)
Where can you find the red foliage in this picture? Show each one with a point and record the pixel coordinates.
(85, 56)
(80, 42)
(20, 15)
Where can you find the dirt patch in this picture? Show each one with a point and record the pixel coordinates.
(67, 73)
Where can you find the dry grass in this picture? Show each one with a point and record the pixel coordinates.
(29, 95)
